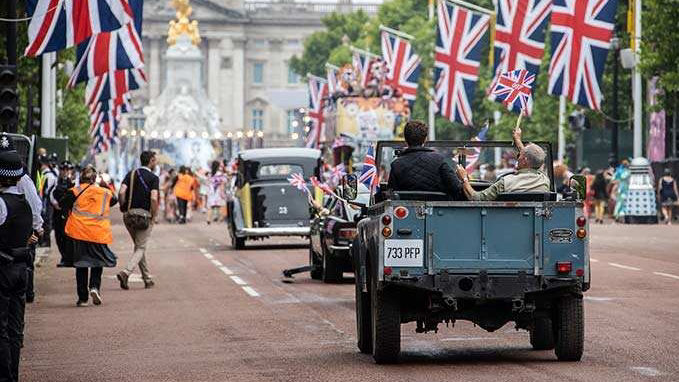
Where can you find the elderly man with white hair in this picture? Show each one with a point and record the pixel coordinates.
(528, 177)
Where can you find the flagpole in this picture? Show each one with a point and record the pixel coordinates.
(396, 32)
(636, 88)
(432, 106)
(363, 51)
(561, 147)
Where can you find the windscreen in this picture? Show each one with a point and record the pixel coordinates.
(484, 161)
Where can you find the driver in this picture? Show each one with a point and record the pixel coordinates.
(422, 169)
(527, 178)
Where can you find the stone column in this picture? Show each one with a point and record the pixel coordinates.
(214, 56)
(238, 116)
(154, 69)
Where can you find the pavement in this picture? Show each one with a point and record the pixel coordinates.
(217, 314)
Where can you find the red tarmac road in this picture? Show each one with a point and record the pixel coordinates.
(217, 314)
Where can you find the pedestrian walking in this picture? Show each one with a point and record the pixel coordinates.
(170, 201)
(64, 183)
(139, 204)
(16, 233)
(667, 194)
(621, 189)
(216, 195)
(184, 192)
(89, 227)
(600, 195)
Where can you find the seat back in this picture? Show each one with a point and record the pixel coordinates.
(527, 197)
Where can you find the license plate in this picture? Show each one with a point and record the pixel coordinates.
(403, 253)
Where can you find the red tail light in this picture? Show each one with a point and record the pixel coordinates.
(581, 221)
(579, 272)
(387, 271)
(347, 233)
(386, 219)
(401, 212)
(564, 266)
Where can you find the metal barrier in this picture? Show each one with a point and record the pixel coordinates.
(24, 146)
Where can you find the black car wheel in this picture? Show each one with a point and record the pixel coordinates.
(238, 242)
(316, 266)
(386, 325)
(570, 329)
(332, 272)
(363, 320)
(542, 334)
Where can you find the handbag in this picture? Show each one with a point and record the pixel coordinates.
(138, 218)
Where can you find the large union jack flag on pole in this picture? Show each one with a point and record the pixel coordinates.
(362, 61)
(403, 64)
(59, 24)
(514, 90)
(519, 36)
(459, 39)
(581, 33)
(113, 85)
(318, 92)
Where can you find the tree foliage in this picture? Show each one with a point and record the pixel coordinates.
(659, 47)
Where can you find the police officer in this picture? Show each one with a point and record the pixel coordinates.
(64, 183)
(15, 235)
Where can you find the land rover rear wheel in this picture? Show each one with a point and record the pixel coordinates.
(542, 334)
(316, 267)
(570, 329)
(386, 325)
(363, 321)
(332, 272)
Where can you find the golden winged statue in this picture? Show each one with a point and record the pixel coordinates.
(182, 25)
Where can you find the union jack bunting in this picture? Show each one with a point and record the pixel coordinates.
(581, 33)
(519, 36)
(321, 186)
(514, 90)
(331, 74)
(59, 24)
(361, 63)
(297, 181)
(336, 173)
(403, 65)
(113, 85)
(369, 175)
(458, 52)
(318, 91)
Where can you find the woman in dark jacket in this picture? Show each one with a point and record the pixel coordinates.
(89, 228)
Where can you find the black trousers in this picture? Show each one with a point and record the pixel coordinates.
(59, 226)
(30, 271)
(81, 281)
(181, 206)
(47, 213)
(12, 305)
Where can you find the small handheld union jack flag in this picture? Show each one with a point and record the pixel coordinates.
(369, 175)
(297, 181)
(514, 89)
(322, 186)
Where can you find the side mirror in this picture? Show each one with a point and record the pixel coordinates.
(350, 186)
(578, 183)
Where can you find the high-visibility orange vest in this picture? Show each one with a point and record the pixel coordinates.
(184, 187)
(90, 217)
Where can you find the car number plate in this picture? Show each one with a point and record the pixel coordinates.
(403, 253)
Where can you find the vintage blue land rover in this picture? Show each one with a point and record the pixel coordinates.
(419, 257)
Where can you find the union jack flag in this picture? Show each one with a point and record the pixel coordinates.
(514, 90)
(362, 63)
(519, 36)
(369, 175)
(59, 24)
(331, 73)
(297, 181)
(580, 36)
(318, 91)
(403, 65)
(113, 85)
(457, 59)
(115, 50)
(322, 186)
(337, 172)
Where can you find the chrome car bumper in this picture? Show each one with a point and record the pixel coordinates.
(274, 231)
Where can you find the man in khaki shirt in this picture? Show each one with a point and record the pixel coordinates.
(528, 177)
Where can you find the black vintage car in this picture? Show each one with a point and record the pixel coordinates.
(331, 238)
(265, 204)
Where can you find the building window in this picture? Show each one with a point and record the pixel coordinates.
(293, 78)
(257, 122)
(258, 73)
(292, 122)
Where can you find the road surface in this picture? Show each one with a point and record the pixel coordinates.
(217, 314)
